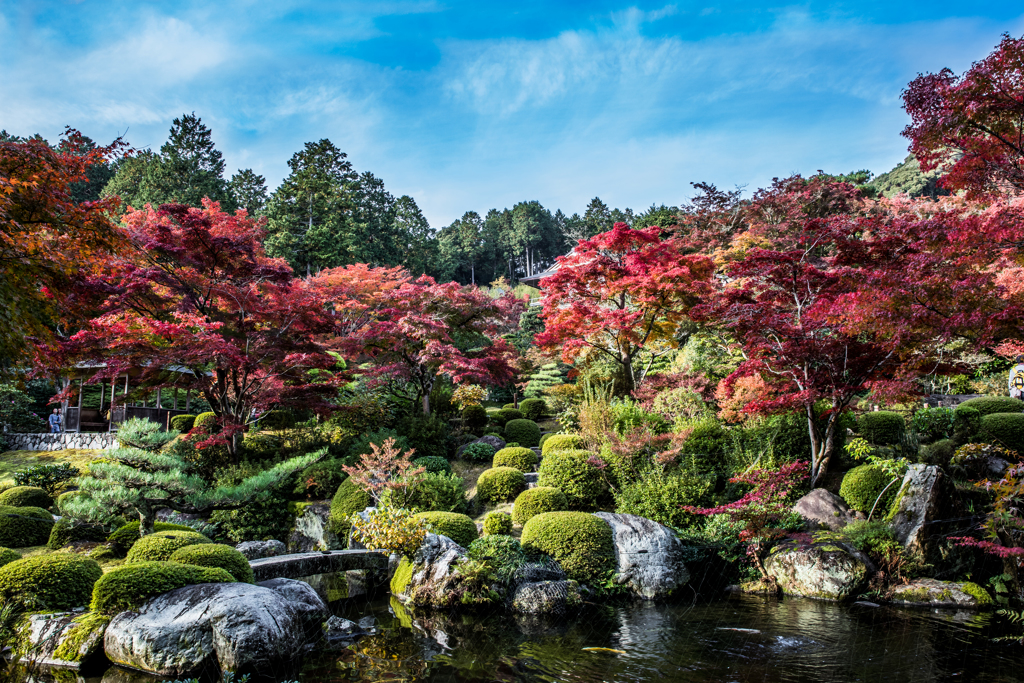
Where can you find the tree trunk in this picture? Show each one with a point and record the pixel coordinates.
(816, 453)
(628, 378)
(147, 520)
(426, 405)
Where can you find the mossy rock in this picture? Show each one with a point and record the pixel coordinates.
(460, 528)
(535, 501)
(882, 427)
(82, 639)
(24, 527)
(348, 500)
(58, 581)
(67, 531)
(26, 497)
(216, 555)
(989, 405)
(500, 484)
(562, 442)
(572, 474)
(160, 545)
(523, 459)
(402, 577)
(1004, 428)
(862, 485)
(126, 536)
(581, 543)
(128, 586)
(524, 432)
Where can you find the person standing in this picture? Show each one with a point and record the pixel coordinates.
(55, 421)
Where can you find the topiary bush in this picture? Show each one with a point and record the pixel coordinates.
(475, 418)
(348, 500)
(58, 581)
(580, 542)
(460, 528)
(523, 459)
(432, 492)
(497, 523)
(7, 556)
(126, 535)
(127, 587)
(26, 497)
(66, 531)
(500, 484)
(882, 427)
(434, 464)
(938, 453)
(659, 496)
(50, 478)
(205, 421)
(572, 474)
(478, 452)
(183, 423)
(525, 432)
(1006, 428)
(988, 405)
(24, 527)
(537, 500)
(215, 555)
(505, 415)
(160, 545)
(862, 485)
(966, 422)
(562, 442)
(533, 408)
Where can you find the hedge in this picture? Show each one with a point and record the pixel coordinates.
(58, 581)
(882, 427)
(216, 555)
(1006, 428)
(505, 415)
(580, 542)
(988, 405)
(24, 527)
(128, 586)
(500, 484)
(7, 556)
(523, 459)
(524, 432)
(562, 442)
(966, 422)
(497, 524)
(862, 485)
(183, 423)
(460, 528)
(204, 419)
(126, 535)
(159, 546)
(535, 501)
(572, 474)
(26, 497)
(348, 500)
(66, 531)
(533, 408)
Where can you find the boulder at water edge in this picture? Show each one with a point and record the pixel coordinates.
(543, 590)
(918, 505)
(934, 593)
(220, 626)
(57, 639)
(823, 509)
(424, 579)
(255, 550)
(826, 572)
(312, 530)
(649, 556)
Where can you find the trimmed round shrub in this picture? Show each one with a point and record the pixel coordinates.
(988, 405)
(26, 497)
(436, 492)
(562, 442)
(215, 555)
(59, 581)
(500, 484)
(509, 406)
(160, 545)
(497, 524)
(183, 423)
(882, 427)
(1006, 428)
(66, 531)
(705, 448)
(7, 556)
(460, 528)
(478, 452)
(533, 408)
(126, 535)
(938, 453)
(475, 418)
(128, 586)
(524, 432)
(207, 420)
(660, 496)
(966, 422)
(348, 500)
(862, 485)
(503, 416)
(535, 501)
(580, 542)
(434, 464)
(572, 474)
(24, 527)
(523, 459)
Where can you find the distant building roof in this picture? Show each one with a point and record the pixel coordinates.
(534, 280)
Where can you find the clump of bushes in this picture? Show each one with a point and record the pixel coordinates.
(434, 464)
(160, 545)
(460, 528)
(432, 492)
(50, 478)
(988, 405)
(348, 500)
(523, 459)
(1006, 428)
(215, 555)
(25, 497)
(497, 523)
(183, 423)
(205, 421)
(562, 442)
(572, 473)
(882, 427)
(320, 480)
(389, 529)
(59, 581)
(500, 484)
(938, 453)
(862, 485)
(933, 423)
(66, 531)
(505, 415)
(659, 496)
(478, 452)
(125, 536)
(581, 544)
(535, 501)
(127, 587)
(7, 556)
(475, 418)
(24, 527)
(533, 408)
(524, 432)
(966, 422)
(706, 448)
(502, 553)
(277, 419)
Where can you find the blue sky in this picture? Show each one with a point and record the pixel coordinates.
(473, 105)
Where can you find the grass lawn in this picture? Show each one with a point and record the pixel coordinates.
(12, 461)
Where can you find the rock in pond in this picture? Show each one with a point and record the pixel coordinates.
(304, 598)
(649, 556)
(825, 572)
(546, 597)
(255, 550)
(217, 626)
(825, 510)
(918, 504)
(65, 639)
(424, 579)
(934, 593)
(312, 530)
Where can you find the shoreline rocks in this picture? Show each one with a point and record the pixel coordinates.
(824, 572)
(649, 556)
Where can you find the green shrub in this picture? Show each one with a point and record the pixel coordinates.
(572, 474)
(862, 485)
(277, 420)
(183, 423)
(706, 447)
(459, 528)
(505, 415)
(1006, 428)
(659, 496)
(66, 531)
(7, 556)
(24, 527)
(544, 439)
(988, 405)
(535, 501)
(434, 464)
(500, 484)
(966, 422)
(433, 492)
(523, 459)
(265, 517)
(215, 555)
(59, 581)
(126, 535)
(882, 427)
(509, 406)
(524, 432)
(580, 542)
(628, 415)
(160, 545)
(533, 408)
(497, 523)
(25, 497)
(348, 500)
(562, 442)
(50, 478)
(206, 421)
(320, 480)
(501, 552)
(428, 435)
(933, 423)
(938, 453)
(129, 586)
(475, 418)
(478, 452)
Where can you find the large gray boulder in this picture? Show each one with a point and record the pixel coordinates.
(934, 593)
(304, 599)
(546, 597)
(221, 626)
(649, 556)
(312, 531)
(255, 550)
(56, 639)
(823, 509)
(825, 572)
(431, 573)
(919, 503)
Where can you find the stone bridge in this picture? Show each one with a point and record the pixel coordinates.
(301, 565)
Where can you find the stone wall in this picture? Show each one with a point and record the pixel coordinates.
(58, 442)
